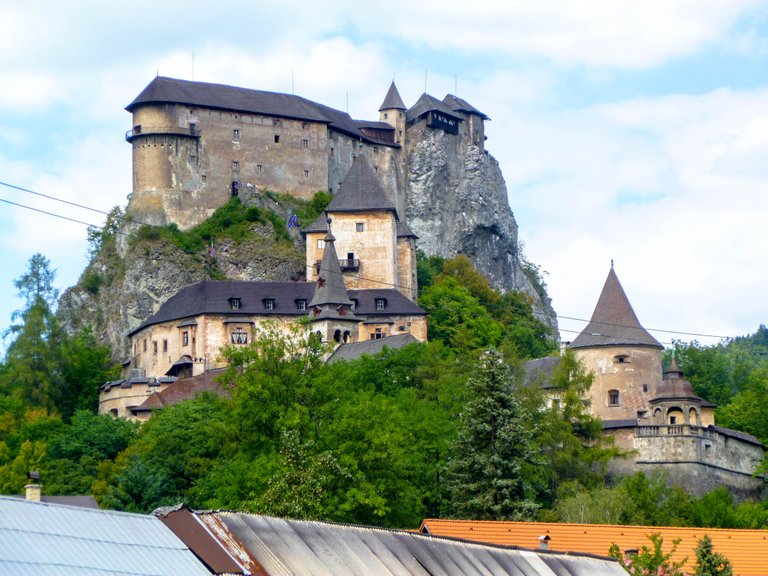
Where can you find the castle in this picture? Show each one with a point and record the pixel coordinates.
(656, 417)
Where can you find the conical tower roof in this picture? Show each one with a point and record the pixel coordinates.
(674, 387)
(392, 100)
(361, 191)
(614, 322)
(330, 290)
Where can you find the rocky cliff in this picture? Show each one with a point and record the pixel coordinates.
(457, 204)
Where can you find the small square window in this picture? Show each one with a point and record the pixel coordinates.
(269, 303)
(185, 338)
(235, 135)
(204, 178)
(276, 122)
(235, 165)
(321, 244)
(385, 115)
(381, 303)
(277, 138)
(305, 143)
(360, 227)
(301, 304)
(306, 173)
(613, 398)
(645, 387)
(375, 149)
(305, 125)
(259, 168)
(192, 159)
(234, 303)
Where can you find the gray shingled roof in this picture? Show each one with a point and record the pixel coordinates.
(539, 371)
(392, 100)
(48, 539)
(425, 103)
(361, 191)
(355, 350)
(277, 546)
(212, 297)
(330, 289)
(403, 231)
(460, 105)
(614, 322)
(220, 96)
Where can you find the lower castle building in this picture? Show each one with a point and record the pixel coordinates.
(366, 297)
(656, 417)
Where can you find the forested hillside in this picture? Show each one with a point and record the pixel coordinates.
(445, 428)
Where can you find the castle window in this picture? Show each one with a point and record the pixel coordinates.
(235, 165)
(613, 398)
(235, 135)
(165, 345)
(192, 159)
(305, 143)
(276, 122)
(258, 168)
(269, 303)
(645, 387)
(185, 338)
(332, 152)
(306, 173)
(304, 125)
(204, 178)
(621, 359)
(234, 303)
(337, 336)
(381, 303)
(399, 114)
(145, 344)
(376, 169)
(277, 138)
(375, 149)
(360, 227)
(301, 304)
(239, 336)
(154, 347)
(385, 115)
(321, 244)
(377, 334)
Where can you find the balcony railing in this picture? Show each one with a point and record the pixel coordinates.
(141, 130)
(346, 265)
(674, 430)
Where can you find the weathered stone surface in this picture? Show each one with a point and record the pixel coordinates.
(457, 203)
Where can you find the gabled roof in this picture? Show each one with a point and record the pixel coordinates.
(361, 191)
(425, 103)
(614, 322)
(392, 100)
(265, 545)
(163, 90)
(355, 350)
(330, 289)
(460, 105)
(744, 548)
(39, 539)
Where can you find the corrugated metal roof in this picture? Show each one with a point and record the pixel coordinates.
(292, 547)
(744, 548)
(49, 539)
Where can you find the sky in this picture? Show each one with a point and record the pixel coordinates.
(628, 131)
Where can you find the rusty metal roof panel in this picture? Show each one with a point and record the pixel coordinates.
(293, 547)
(50, 539)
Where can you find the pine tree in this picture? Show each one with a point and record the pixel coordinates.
(487, 478)
(709, 562)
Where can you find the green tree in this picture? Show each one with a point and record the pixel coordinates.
(486, 476)
(709, 562)
(650, 560)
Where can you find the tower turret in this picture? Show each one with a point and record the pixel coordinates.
(392, 111)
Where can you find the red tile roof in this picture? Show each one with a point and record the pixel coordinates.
(746, 549)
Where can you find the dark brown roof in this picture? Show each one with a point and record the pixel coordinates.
(361, 191)
(183, 389)
(392, 100)
(460, 105)
(613, 322)
(425, 103)
(355, 350)
(212, 297)
(220, 96)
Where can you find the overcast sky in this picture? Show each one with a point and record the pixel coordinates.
(626, 130)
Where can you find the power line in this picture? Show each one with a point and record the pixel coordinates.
(651, 329)
(48, 213)
(27, 190)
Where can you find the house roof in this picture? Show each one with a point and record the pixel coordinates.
(355, 350)
(614, 322)
(163, 90)
(744, 548)
(426, 103)
(213, 297)
(330, 289)
(49, 539)
(183, 389)
(272, 546)
(460, 105)
(403, 231)
(539, 371)
(392, 100)
(78, 501)
(361, 191)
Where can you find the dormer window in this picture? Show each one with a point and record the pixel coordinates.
(269, 303)
(235, 303)
(301, 304)
(381, 303)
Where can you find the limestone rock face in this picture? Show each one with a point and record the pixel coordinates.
(457, 203)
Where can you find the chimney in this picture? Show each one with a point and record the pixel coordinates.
(33, 490)
(544, 542)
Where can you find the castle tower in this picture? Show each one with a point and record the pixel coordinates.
(675, 404)
(624, 358)
(368, 235)
(330, 308)
(392, 111)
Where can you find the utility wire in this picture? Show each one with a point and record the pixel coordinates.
(310, 266)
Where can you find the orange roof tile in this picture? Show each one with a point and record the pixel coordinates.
(746, 549)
